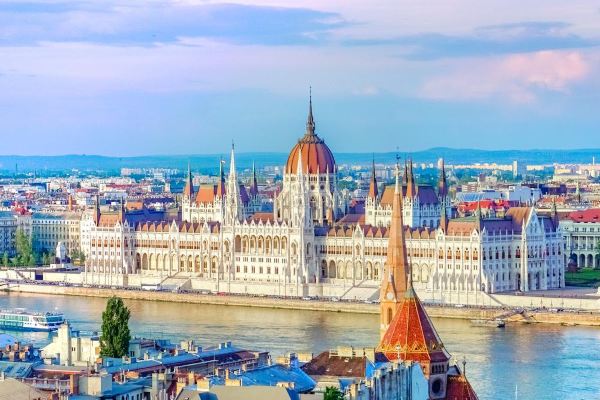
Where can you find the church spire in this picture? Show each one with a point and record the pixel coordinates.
(373, 191)
(221, 182)
(188, 191)
(310, 121)
(410, 182)
(254, 183)
(232, 174)
(394, 282)
(442, 184)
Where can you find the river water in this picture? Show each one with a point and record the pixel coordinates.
(521, 361)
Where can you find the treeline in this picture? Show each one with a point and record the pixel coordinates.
(26, 255)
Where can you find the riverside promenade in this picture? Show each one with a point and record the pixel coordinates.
(533, 315)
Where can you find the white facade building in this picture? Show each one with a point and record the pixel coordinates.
(310, 245)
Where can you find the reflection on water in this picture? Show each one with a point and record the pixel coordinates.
(535, 361)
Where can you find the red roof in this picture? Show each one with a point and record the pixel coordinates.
(486, 204)
(590, 215)
(316, 156)
(411, 334)
(459, 388)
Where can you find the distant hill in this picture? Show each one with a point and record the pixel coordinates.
(244, 160)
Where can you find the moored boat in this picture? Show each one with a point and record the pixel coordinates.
(23, 320)
(494, 322)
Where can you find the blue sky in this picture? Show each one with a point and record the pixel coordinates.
(179, 77)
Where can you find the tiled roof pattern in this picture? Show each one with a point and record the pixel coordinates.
(411, 334)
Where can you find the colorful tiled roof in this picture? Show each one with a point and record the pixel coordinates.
(411, 334)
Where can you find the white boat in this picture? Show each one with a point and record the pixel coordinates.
(22, 320)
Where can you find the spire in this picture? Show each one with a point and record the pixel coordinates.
(254, 183)
(188, 191)
(405, 176)
(221, 183)
(394, 282)
(407, 332)
(373, 191)
(442, 184)
(310, 121)
(410, 182)
(232, 174)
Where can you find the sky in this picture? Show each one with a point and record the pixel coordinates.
(189, 76)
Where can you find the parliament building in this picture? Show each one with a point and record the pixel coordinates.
(310, 245)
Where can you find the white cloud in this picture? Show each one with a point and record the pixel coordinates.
(516, 77)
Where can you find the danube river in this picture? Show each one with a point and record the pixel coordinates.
(521, 361)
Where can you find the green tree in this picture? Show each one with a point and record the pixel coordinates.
(114, 341)
(333, 393)
(5, 259)
(24, 247)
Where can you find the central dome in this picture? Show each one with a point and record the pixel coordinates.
(316, 156)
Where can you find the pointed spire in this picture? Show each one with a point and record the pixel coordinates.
(405, 176)
(254, 183)
(394, 282)
(410, 182)
(188, 191)
(232, 173)
(221, 183)
(407, 332)
(310, 121)
(442, 184)
(373, 190)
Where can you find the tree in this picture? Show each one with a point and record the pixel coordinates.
(114, 341)
(5, 259)
(333, 393)
(24, 247)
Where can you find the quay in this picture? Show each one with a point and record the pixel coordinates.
(529, 315)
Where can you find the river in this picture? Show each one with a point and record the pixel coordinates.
(521, 361)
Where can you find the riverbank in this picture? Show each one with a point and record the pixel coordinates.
(467, 313)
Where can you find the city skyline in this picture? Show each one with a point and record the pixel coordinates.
(168, 78)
